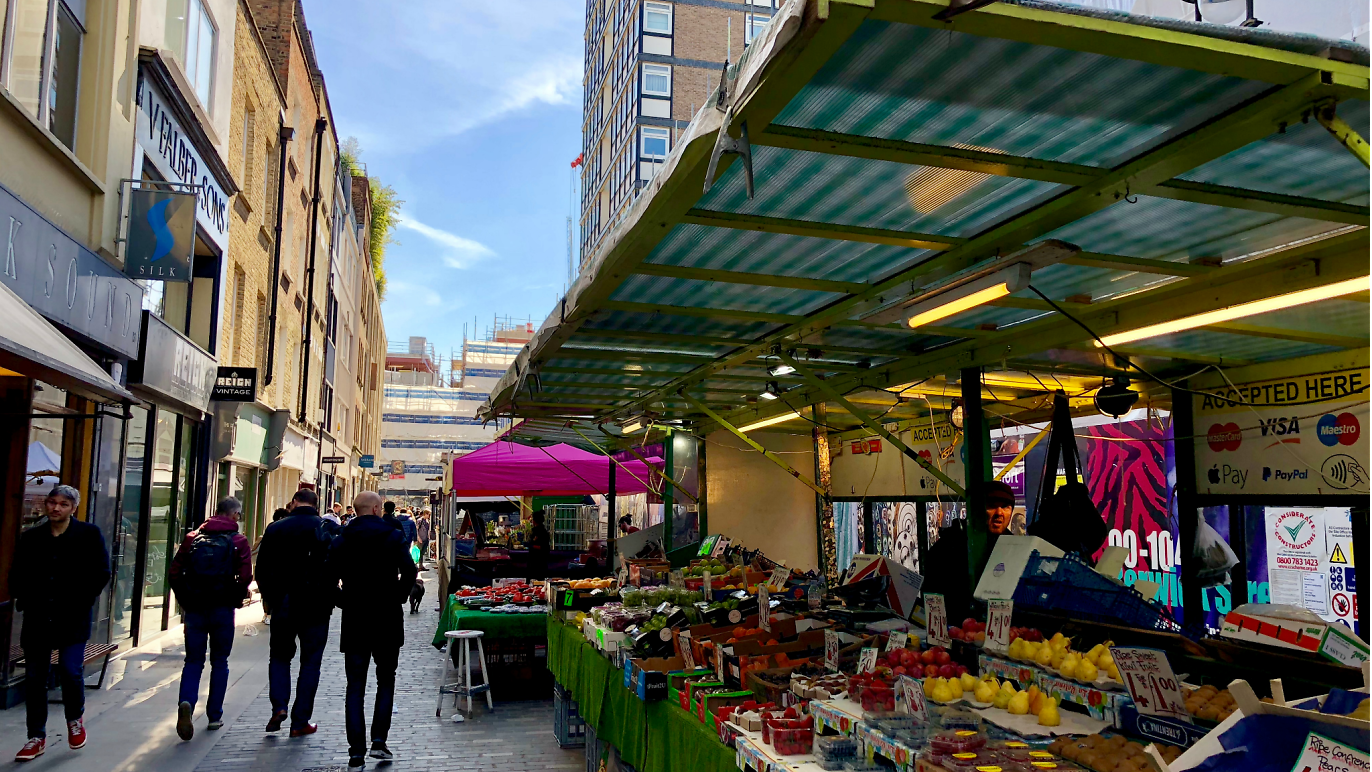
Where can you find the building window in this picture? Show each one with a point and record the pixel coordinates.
(239, 289)
(657, 17)
(44, 61)
(655, 143)
(192, 34)
(657, 80)
(260, 350)
(754, 24)
(245, 158)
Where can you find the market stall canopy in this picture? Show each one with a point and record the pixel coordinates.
(1147, 169)
(511, 469)
(32, 346)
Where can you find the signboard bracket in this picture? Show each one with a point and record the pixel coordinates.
(170, 186)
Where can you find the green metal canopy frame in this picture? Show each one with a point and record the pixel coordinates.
(1188, 166)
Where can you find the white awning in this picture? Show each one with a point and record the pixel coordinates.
(32, 346)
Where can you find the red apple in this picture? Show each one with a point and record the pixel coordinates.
(930, 671)
(969, 622)
(955, 633)
(942, 658)
(959, 669)
(928, 655)
(900, 670)
(909, 658)
(947, 671)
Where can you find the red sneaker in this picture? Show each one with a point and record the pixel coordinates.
(76, 733)
(309, 728)
(32, 749)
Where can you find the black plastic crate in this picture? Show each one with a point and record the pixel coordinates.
(568, 726)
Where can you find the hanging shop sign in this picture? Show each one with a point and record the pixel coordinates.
(366, 462)
(160, 244)
(172, 366)
(171, 148)
(397, 470)
(65, 282)
(235, 384)
(1297, 435)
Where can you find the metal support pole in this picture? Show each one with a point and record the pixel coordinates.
(1343, 132)
(826, 547)
(612, 522)
(1360, 566)
(774, 458)
(668, 490)
(654, 470)
(1183, 425)
(976, 440)
(866, 420)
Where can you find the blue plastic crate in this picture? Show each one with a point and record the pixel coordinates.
(568, 726)
(1068, 586)
(595, 751)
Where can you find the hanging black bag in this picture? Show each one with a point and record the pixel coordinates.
(1066, 517)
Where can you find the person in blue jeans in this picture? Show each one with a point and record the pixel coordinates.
(210, 576)
(292, 579)
(60, 566)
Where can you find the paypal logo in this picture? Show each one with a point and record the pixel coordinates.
(157, 220)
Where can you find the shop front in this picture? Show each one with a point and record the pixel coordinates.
(243, 467)
(167, 463)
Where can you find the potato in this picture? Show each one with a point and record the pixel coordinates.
(1208, 713)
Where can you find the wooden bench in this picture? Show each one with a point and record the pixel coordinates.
(93, 652)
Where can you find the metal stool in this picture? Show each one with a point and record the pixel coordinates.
(463, 686)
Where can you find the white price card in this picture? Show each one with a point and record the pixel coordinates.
(764, 608)
(936, 620)
(831, 650)
(719, 662)
(705, 585)
(867, 660)
(912, 694)
(998, 614)
(684, 643)
(1322, 754)
(897, 640)
(1148, 676)
(779, 576)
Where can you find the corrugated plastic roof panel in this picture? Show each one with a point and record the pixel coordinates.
(707, 294)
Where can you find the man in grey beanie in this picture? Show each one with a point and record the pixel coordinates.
(60, 566)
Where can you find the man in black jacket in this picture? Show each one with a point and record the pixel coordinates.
(371, 560)
(291, 576)
(60, 567)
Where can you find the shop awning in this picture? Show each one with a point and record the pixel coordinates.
(1180, 166)
(511, 469)
(32, 346)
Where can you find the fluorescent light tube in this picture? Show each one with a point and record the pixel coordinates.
(776, 419)
(971, 295)
(767, 395)
(1230, 313)
(782, 369)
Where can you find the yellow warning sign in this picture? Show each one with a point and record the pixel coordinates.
(1337, 556)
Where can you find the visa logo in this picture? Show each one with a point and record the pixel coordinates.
(1279, 427)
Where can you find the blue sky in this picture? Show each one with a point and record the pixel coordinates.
(472, 112)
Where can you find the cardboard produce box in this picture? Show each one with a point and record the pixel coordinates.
(647, 678)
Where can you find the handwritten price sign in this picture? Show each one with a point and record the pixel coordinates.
(912, 694)
(998, 613)
(936, 613)
(831, 650)
(867, 660)
(897, 640)
(764, 608)
(1148, 676)
(683, 643)
(779, 576)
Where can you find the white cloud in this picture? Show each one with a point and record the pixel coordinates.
(458, 251)
(411, 293)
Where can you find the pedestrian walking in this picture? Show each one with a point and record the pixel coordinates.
(540, 544)
(371, 561)
(210, 576)
(388, 515)
(424, 531)
(60, 566)
(407, 525)
(291, 573)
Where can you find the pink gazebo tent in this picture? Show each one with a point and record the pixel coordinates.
(511, 469)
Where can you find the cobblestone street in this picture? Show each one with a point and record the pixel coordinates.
(517, 736)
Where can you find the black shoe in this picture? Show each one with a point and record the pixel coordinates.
(184, 728)
(380, 751)
(357, 762)
(278, 718)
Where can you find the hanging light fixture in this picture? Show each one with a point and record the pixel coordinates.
(772, 391)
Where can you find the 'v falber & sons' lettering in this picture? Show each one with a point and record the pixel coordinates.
(182, 159)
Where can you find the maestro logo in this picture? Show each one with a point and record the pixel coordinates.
(1342, 429)
(1224, 437)
(1295, 530)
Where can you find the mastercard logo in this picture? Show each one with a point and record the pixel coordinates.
(1342, 429)
(1224, 437)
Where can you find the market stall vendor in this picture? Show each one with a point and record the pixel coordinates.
(945, 569)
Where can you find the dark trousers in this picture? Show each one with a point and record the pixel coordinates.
(313, 636)
(70, 672)
(355, 664)
(211, 629)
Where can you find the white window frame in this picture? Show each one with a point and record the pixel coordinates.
(656, 67)
(196, 11)
(754, 24)
(651, 7)
(656, 133)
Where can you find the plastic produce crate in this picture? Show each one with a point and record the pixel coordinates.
(568, 726)
(1068, 586)
(595, 752)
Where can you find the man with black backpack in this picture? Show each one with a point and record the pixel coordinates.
(210, 576)
(292, 577)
